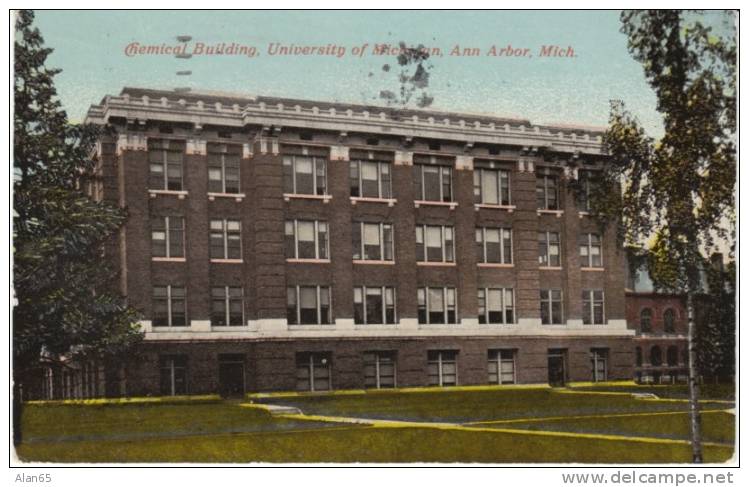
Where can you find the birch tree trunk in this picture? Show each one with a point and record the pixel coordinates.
(694, 405)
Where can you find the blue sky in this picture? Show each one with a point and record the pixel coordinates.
(90, 48)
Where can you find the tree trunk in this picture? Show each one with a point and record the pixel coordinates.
(694, 405)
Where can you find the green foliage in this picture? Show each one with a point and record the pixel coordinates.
(716, 333)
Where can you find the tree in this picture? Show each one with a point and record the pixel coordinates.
(66, 304)
(678, 190)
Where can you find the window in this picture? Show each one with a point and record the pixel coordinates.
(379, 370)
(169, 306)
(306, 239)
(672, 356)
(669, 318)
(547, 192)
(551, 307)
(501, 366)
(656, 356)
(599, 360)
(588, 180)
(549, 254)
(223, 169)
(227, 306)
(226, 239)
(313, 371)
(491, 187)
(305, 175)
(434, 243)
(370, 179)
(442, 367)
(165, 166)
(308, 305)
(373, 241)
(437, 305)
(434, 183)
(374, 305)
(496, 306)
(494, 245)
(646, 317)
(593, 307)
(590, 250)
(168, 236)
(173, 371)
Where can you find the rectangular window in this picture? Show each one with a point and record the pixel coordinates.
(496, 306)
(599, 364)
(590, 250)
(437, 305)
(165, 167)
(434, 243)
(434, 183)
(313, 371)
(306, 239)
(494, 245)
(588, 181)
(374, 305)
(379, 370)
(372, 241)
(173, 371)
(223, 170)
(226, 239)
(370, 179)
(305, 175)
(169, 306)
(168, 236)
(491, 186)
(442, 367)
(501, 366)
(549, 254)
(308, 305)
(547, 192)
(593, 307)
(551, 307)
(227, 306)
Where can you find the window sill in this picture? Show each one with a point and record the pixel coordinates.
(374, 262)
(593, 269)
(375, 326)
(437, 326)
(549, 268)
(557, 325)
(168, 259)
(582, 214)
(227, 261)
(323, 197)
(558, 213)
(496, 325)
(311, 327)
(309, 261)
(507, 208)
(362, 199)
(167, 192)
(436, 264)
(238, 197)
(495, 265)
(170, 329)
(229, 327)
(451, 204)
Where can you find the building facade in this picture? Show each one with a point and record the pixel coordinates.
(277, 244)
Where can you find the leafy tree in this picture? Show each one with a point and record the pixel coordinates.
(66, 304)
(715, 335)
(678, 191)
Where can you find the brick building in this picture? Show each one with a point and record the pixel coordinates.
(277, 244)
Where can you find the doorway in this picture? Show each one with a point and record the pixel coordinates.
(557, 367)
(231, 375)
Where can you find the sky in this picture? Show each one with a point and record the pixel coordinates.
(90, 48)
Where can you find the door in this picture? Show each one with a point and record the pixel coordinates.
(556, 369)
(231, 378)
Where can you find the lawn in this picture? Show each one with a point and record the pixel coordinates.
(676, 391)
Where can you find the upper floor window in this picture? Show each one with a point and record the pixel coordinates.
(669, 321)
(227, 306)
(305, 175)
(588, 181)
(168, 236)
(169, 306)
(223, 169)
(306, 239)
(434, 183)
(494, 245)
(551, 307)
(165, 162)
(496, 306)
(646, 320)
(373, 241)
(226, 239)
(491, 186)
(434, 243)
(308, 305)
(437, 305)
(370, 179)
(590, 250)
(593, 307)
(549, 254)
(374, 305)
(547, 192)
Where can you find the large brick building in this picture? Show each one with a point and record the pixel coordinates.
(278, 244)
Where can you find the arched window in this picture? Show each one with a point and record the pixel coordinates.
(669, 319)
(672, 356)
(638, 356)
(656, 356)
(646, 317)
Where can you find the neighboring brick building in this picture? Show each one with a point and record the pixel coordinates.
(277, 244)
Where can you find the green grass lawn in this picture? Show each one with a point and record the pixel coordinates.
(676, 391)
